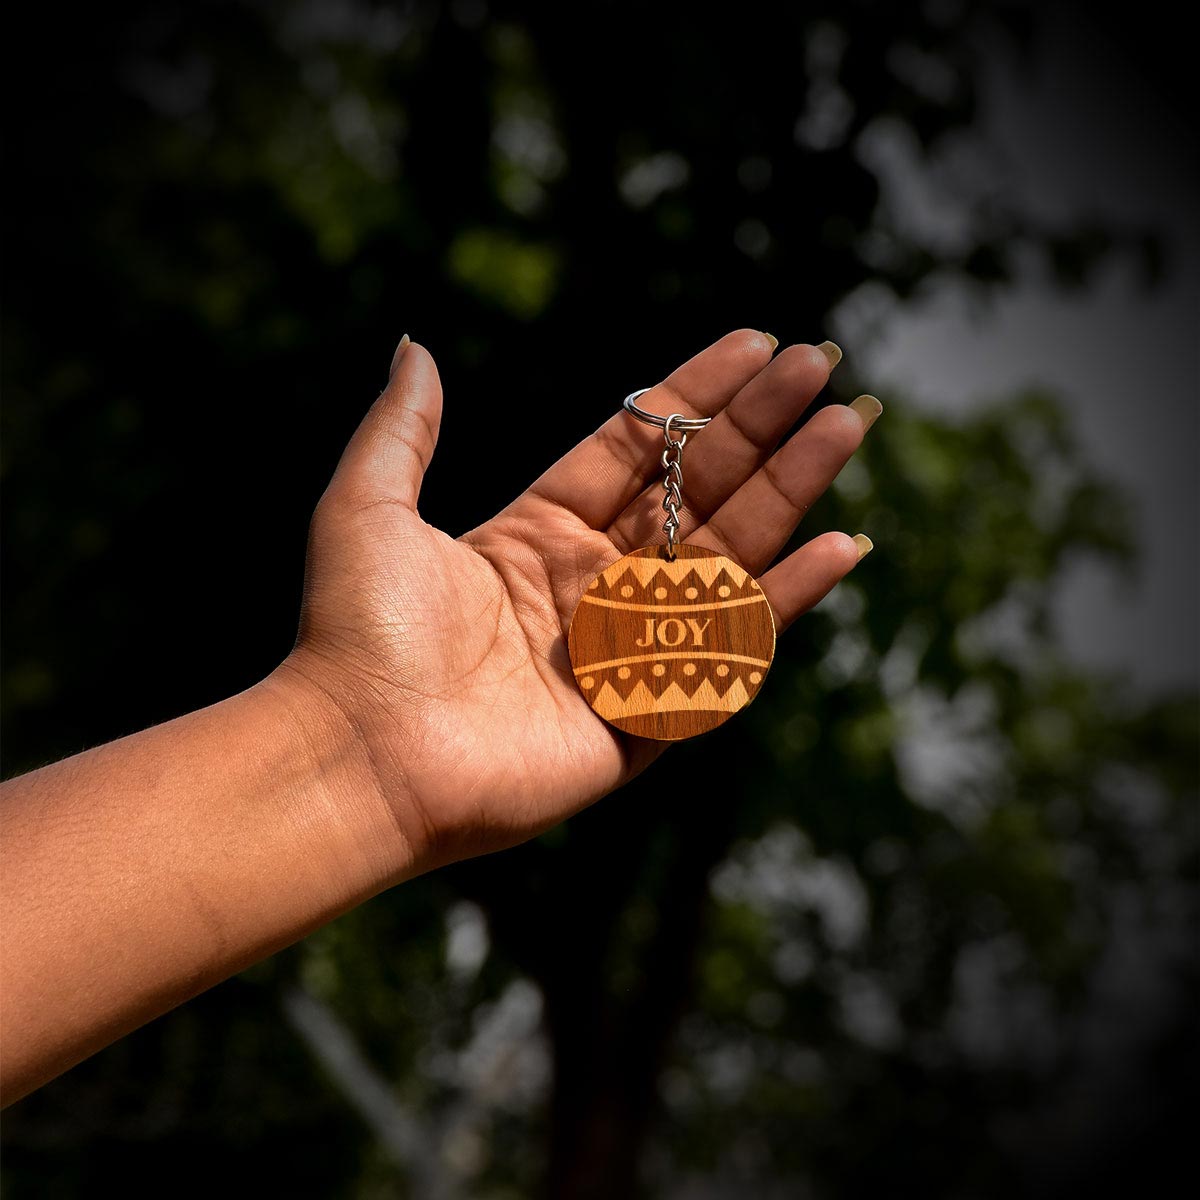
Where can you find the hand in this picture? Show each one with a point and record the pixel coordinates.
(428, 711)
(448, 656)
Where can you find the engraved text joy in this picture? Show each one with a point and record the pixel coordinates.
(672, 631)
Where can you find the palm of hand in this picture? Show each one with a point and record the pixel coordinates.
(463, 642)
(450, 654)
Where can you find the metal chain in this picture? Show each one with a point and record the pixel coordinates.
(673, 483)
(672, 459)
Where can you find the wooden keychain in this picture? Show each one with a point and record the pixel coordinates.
(670, 641)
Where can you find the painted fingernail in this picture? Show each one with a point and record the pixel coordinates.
(864, 544)
(868, 409)
(832, 351)
(400, 349)
(771, 338)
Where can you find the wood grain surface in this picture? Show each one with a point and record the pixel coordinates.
(669, 650)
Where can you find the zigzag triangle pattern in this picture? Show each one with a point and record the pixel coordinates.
(642, 701)
(645, 570)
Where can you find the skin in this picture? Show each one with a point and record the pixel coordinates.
(427, 712)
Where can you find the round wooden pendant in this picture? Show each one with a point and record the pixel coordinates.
(666, 649)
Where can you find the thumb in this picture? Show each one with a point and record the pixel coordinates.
(390, 451)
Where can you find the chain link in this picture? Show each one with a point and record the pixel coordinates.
(672, 461)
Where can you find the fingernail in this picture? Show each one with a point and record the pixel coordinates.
(771, 338)
(832, 351)
(868, 409)
(400, 349)
(864, 544)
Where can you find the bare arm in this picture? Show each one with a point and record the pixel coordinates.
(428, 711)
(147, 870)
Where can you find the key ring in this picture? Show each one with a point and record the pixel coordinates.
(684, 423)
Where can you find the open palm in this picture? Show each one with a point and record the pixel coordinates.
(449, 655)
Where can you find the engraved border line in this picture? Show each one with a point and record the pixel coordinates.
(637, 658)
(673, 607)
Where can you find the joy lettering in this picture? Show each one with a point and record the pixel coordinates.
(672, 631)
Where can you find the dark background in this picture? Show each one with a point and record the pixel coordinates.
(921, 920)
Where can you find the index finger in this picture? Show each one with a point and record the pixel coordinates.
(609, 468)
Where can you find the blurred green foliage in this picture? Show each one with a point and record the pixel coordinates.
(859, 940)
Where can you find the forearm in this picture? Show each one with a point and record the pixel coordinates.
(142, 872)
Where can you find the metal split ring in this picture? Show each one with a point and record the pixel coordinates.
(681, 424)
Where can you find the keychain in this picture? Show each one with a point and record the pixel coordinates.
(670, 641)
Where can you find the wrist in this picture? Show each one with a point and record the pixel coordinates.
(368, 849)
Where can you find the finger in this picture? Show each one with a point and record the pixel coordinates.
(720, 457)
(809, 574)
(600, 476)
(391, 450)
(754, 524)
